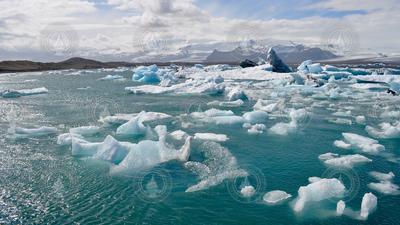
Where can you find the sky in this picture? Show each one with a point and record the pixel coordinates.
(51, 30)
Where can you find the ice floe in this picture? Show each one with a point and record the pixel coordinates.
(385, 185)
(349, 161)
(340, 207)
(20, 132)
(317, 191)
(361, 143)
(211, 137)
(248, 191)
(275, 197)
(112, 77)
(85, 130)
(23, 92)
(368, 205)
(385, 130)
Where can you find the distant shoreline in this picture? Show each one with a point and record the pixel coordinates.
(20, 66)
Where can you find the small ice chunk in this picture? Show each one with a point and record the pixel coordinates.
(382, 176)
(111, 77)
(112, 151)
(85, 130)
(132, 127)
(211, 137)
(341, 205)
(283, 128)
(364, 144)
(66, 139)
(360, 120)
(327, 156)
(227, 120)
(217, 112)
(318, 191)
(276, 196)
(248, 191)
(256, 116)
(20, 132)
(236, 94)
(385, 130)
(345, 161)
(179, 135)
(368, 205)
(256, 129)
(385, 187)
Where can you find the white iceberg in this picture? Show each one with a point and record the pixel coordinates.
(236, 94)
(382, 176)
(211, 137)
(20, 132)
(361, 143)
(256, 116)
(147, 154)
(85, 130)
(247, 191)
(318, 191)
(385, 187)
(385, 130)
(133, 127)
(368, 205)
(340, 207)
(276, 196)
(348, 161)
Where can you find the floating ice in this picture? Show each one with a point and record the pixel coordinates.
(179, 135)
(236, 94)
(382, 176)
(256, 128)
(318, 191)
(133, 127)
(385, 187)
(218, 117)
(385, 130)
(211, 137)
(219, 165)
(146, 74)
(256, 116)
(20, 132)
(368, 205)
(112, 77)
(66, 138)
(340, 207)
(23, 92)
(247, 191)
(358, 142)
(360, 120)
(119, 119)
(286, 128)
(113, 151)
(85, 130)
(236, 103)
(276, 196)
(147, 154)
(349, 161)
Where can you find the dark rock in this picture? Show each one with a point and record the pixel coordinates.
(247, 63)
(278, 65)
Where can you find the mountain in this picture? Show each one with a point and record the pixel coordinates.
(72, 63)
(289, 54)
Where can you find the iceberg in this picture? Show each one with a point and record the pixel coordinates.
(145, 117)
(382, 176)
(113, 151)
(147, 154)
(133, 127)
(368, 205)
(277, 64)
(385, 131)
(20, 132)
(146, 74)
(358, 142)
(348, 161)
(211, 137)
(256, 116)
(23, 92)
(385, 187)
(276, 196)
(236, 94)
(248, 191)
(85, 130)
(112, 77)
(340, 207)
(320, 190)
(255, 129)
(66, 138)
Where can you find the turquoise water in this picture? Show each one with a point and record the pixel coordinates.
(42, 183)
